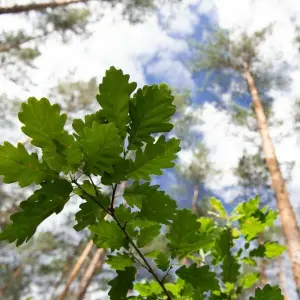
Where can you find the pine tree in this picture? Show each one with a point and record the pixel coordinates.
(240, 59)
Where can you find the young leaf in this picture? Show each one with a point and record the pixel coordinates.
(268, 249)
(17, 165)
(50, 199)
(44, 124)
(184, 235)
(115, 91)
(101, 146)
(119, 261)
(156, 157)
(175, 288)
(108, 235)
(251, 227)
(268, 292)
(218, 206)
(248, 280)
(200, 278)
(148, 289)
(121, 284)
(150, 112)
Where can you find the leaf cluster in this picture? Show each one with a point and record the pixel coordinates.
(115, 144)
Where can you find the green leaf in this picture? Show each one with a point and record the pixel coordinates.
(147, 234)
(121, 284)
(162, 262)
(222, 246)
(97, 117)
(248, 280)
(135, 194)
(218, 206)
(249, 261)
(17, 165)
(152, 254)
(101, 146)
(251, 227)
(175, 288)
(49, 199)
(150, 112)
(119, 261)
(108, 235)
(115, 91)
(44, 124)
(230, 269)
(247, 208)
(268, 249)
(200, 278)
(90, 212)
(268, 292)
(156, 157)
(148, 288)
(184, 235)
(207, 225)
(157, 206)
(270, 217)
(123, 214)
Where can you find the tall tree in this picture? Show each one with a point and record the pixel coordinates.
(240, 58)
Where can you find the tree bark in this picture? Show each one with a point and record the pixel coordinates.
(76, 269)
(195, 206)
(287, 215)
(281, 278)
(95, 264)
(15, 9)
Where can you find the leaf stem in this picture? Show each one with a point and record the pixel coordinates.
(91, 197)
(113, 197)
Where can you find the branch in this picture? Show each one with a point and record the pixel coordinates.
(111, 213)
(5, 47)
(15, 9)
(149, 268)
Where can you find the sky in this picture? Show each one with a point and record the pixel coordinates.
(156, 51)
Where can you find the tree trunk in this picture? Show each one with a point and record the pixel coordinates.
(287, 215)
(66, 268)
(76, 269)
(281, 278)
(15, 9)
(96, 262)
(195, 206)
